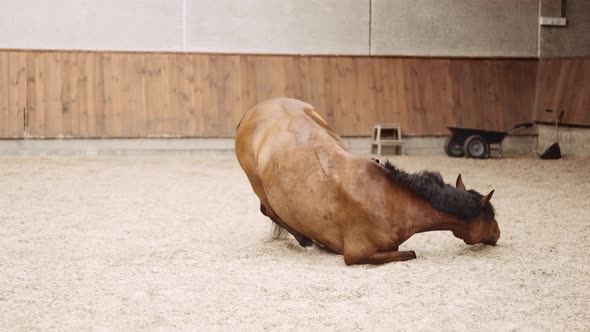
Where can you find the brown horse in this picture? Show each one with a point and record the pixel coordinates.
(311, 186)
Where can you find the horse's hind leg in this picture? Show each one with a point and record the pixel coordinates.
(301, 239)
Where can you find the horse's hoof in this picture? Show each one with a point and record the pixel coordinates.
(304, 242)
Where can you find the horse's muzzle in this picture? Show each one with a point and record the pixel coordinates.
(493, 241)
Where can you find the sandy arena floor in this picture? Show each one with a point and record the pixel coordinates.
(175, 241)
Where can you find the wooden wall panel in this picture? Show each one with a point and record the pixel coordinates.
(13, 93)
(114, 94)
(564, 85)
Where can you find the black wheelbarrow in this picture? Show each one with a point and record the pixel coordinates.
(477, 143)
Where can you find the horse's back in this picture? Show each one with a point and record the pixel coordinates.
(278, 113)
(274, 109)
(282, 123)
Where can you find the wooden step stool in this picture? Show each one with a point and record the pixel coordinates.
(388, 134)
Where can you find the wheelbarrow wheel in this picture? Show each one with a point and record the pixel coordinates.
(453, 147)
(475, 147)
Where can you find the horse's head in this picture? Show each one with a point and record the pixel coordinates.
(483, 228)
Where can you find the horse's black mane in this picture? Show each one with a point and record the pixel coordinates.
(444, 197)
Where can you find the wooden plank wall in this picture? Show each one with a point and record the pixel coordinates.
(112, 94)
(13, 93)
(564, 85)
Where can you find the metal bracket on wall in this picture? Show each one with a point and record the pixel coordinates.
(560, 21)
(553, 21)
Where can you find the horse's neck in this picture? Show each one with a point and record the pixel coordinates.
(406, 212)
(439, 221)
(418, 215)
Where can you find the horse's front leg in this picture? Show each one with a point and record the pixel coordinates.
(364, 253)
(380, 257)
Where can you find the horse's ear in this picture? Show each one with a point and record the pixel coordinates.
(459, 183)
(486, 198)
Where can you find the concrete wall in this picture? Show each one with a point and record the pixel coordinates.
(569, 41)
(573, 141)
(505, 28)
(455, 28)
(413, 146)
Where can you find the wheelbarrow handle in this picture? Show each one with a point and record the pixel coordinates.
(521, 125)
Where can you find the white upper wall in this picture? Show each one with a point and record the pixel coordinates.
(279, 26)
(455, 27)
(150, 25)
(225, 26)
(398, 27)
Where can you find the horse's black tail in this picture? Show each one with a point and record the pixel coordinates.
(278, 232)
